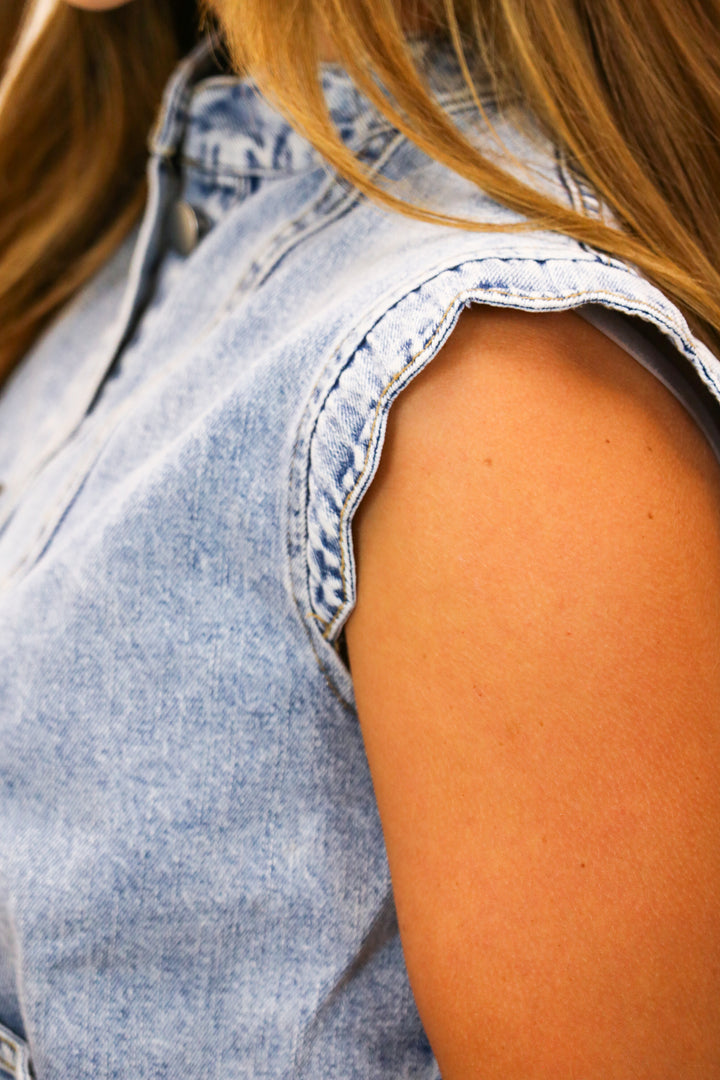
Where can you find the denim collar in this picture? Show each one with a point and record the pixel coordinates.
(221, 123)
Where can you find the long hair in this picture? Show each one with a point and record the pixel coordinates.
(629, 92)
(10, 14)
(76, 104)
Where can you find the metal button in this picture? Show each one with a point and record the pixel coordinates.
(186, 226)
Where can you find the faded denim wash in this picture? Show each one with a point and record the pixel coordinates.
(193, 882)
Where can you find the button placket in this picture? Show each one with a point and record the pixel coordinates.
(83, 389)
(85, 382)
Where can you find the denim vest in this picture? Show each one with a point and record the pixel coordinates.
(193, 881)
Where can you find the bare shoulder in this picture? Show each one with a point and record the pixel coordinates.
(535, 655)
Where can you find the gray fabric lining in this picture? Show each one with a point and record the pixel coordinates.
(627, 332)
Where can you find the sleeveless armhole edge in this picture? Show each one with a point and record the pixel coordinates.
(341, 432)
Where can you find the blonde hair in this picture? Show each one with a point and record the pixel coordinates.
(630, 93)
(75, 110)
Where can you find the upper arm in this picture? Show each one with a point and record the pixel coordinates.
(535, 659)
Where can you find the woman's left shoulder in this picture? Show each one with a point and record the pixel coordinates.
(534, 656)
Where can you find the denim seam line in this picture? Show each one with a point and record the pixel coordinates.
(218, 172)
(149, 229)
(582, 201)
(319, 215)
(297, 539)
(469, 294)
(638, 308)
(455, 105)
(53, 517)
(336, 198)
(97, 441)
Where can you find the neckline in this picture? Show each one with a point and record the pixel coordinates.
(220, 121)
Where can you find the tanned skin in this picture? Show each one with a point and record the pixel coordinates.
(535, 655)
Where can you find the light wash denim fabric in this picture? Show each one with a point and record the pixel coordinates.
(193, 882)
